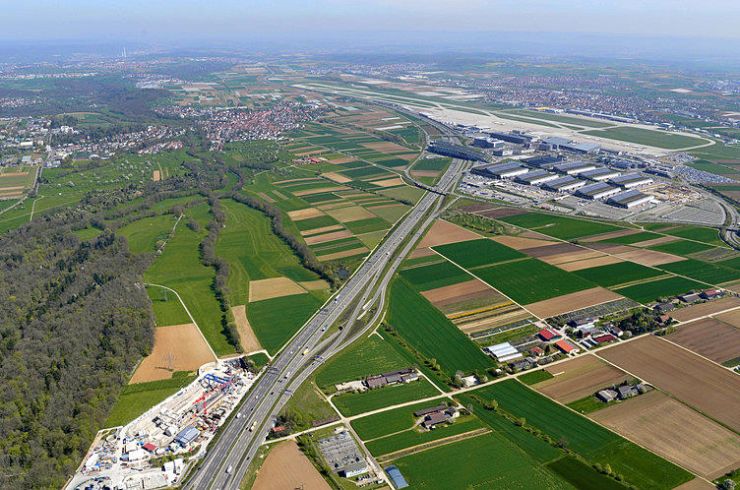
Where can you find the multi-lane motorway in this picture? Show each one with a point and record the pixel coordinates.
(228, 458)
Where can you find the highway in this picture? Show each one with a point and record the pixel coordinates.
(228, 458)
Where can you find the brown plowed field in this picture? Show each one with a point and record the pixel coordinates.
(287, 468)
(323, 229)
(572, 302)
(649, 257)
(339, 161)
(611, 234)
(655, 241)
(699, 383)
(328, 237)
(696, 484)
(709, 337)
(314, 285)
(388, 182)
(573, 257)
(318, 190)
(610, 248)
(444, 232)
(672, 430)
(302, 214)
(176, 348)
(522, 243)
(246, 336)
(472, 301)
(703, 309)
(550, 250)
(275, 287)
(579, 378)
(341, 255)
(498, 318)
(386, 147)
(731, 317)
(587, 264)
(350, 213)
(453, 292)
(336, 177)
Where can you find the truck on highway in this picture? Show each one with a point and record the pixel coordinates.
(253, 426)
(228, 470)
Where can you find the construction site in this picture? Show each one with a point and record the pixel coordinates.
(156, 449)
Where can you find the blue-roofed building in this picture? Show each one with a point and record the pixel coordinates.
(396, 477)
(186, 436)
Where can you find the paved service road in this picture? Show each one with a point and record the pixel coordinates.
(228, 458)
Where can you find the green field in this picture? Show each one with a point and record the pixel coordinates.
(634, 238)
(703, 271)
(388, 422)
(356, 403)
(317, 222)
(144, 234)
(431, 333)
(475, 253)
(711, 167)
(681, 247)
(275, 320)
(698, 233)
(167, 308)
(619, 273)
(583, 476)
(640, 136)
(487, 461)
(587, 404)
(585, 437)
(253, 251)
(369, 356)
(651, 291)
(580, 121)
(535, 377)
(179, 267)
(367, 225)
(531, 280)
(559, 226)
(435, 276)
(432, 164)
(136, 399)
(414, 437)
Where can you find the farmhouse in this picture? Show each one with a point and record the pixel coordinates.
(434, 419)
(626, 391)
(406, 375)
(566, 347)
(503, 352)
(607, 395)
(689, 297)
(711, 294)
(426, 411)
(548, 335)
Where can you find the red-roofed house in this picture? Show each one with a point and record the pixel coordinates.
(566, 346)
(548, 334)
(602, 339)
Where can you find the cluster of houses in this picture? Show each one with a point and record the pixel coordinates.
(687, 299)
(406, 375)
(437, 415)
(622, 392)
(592, 336)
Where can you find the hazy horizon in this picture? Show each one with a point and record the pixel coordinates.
(627, 28)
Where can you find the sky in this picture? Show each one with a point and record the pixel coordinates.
(346, 23)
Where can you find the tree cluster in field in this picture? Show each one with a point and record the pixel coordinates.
(220, 281)
(74, 321)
